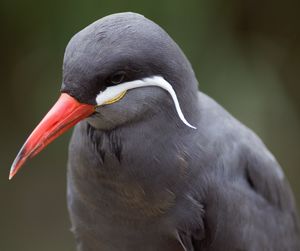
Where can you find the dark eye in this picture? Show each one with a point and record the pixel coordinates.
(117, 77)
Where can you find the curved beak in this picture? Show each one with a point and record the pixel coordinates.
(66, 112)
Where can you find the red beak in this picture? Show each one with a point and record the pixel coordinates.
(64, 114)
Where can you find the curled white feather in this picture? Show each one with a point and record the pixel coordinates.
(113, 91)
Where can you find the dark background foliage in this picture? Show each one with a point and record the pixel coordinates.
(245, 54)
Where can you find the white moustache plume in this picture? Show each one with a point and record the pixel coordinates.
(112, 92)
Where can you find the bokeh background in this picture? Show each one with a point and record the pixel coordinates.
(246, 55)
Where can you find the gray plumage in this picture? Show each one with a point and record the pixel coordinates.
(139, 179)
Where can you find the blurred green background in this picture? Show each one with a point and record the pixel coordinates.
(245, 54)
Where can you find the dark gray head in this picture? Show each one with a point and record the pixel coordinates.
(122, 48)
(105, 65)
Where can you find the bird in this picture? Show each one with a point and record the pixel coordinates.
(155, 164)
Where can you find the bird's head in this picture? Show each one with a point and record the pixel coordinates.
(118, 70)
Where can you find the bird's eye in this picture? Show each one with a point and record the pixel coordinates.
(118, 77)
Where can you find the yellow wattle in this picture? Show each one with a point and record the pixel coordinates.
(115, 99)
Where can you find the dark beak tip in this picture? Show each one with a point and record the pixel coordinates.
(11, 175)
(15, 166)
(18, 162)
(12, 172)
